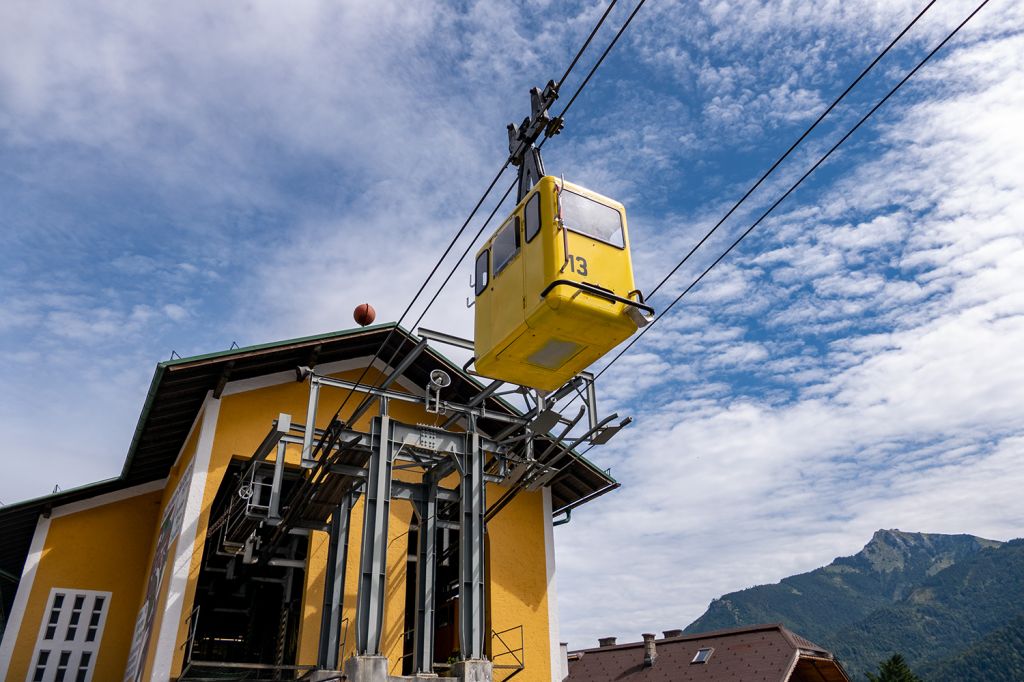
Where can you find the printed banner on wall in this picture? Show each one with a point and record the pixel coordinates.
(170, 528)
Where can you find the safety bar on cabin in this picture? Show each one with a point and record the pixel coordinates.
(596, 291)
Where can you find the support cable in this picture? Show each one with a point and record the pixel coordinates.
(793, 187)
(433, 271)
(792, 147)
(586, 44)
(508, 161)
(597, 64)
(394, 354)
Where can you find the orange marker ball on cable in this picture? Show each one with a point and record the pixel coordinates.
(364, 314)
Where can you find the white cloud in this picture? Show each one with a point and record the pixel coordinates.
(916, 427)
(175, 312)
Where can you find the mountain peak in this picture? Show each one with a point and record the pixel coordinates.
(892, 550)
(883, 534)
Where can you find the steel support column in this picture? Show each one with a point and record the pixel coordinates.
(334, 586)
(310, 433)
(426, 577)
(373, 558)
(471, 552)
(274, 513)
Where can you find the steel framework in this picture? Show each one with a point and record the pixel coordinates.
(340, 463)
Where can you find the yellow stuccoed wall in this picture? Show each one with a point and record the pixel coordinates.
(517, 571)
(517, 579)
(106, 548)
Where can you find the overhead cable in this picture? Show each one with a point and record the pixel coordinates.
(796, 184)
(597, 64)
(469, 246)
(433, 271)
(793, 146)
(579, 89)
(586, 44)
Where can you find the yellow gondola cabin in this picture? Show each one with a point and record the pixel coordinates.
(554, 287)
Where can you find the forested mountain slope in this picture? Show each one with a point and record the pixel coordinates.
(930, 597)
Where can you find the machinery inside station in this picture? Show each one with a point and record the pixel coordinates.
(245, 611)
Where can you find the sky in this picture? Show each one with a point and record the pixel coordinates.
(181, 177)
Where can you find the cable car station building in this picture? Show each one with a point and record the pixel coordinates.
(256, 534)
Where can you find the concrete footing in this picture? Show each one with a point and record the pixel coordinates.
(367, 669)
(474, 671)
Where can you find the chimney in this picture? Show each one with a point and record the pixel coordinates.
(564, 650)
(672, 633)
(649, 653)
(605, 641)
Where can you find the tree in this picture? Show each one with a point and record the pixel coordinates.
(894, 670)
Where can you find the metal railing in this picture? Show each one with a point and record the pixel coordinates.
(512, 658)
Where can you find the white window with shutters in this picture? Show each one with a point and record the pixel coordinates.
(69, 636)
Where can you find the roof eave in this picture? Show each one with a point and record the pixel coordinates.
(53, 499)
(147, 407)
(163, 367)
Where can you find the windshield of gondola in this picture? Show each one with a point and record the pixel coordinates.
(591, 218)
(505, 245)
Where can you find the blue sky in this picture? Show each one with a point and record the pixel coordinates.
(184, 177)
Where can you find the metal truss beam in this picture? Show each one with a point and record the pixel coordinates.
(476, 400)
(419, 493)
(443, 337)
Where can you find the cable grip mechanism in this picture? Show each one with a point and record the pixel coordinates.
(522, 138)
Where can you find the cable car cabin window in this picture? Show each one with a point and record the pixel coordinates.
(532, 217)
(591, 218)
(482, 271)
(505, 245)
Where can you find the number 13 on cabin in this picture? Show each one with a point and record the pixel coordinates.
(554, 287)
